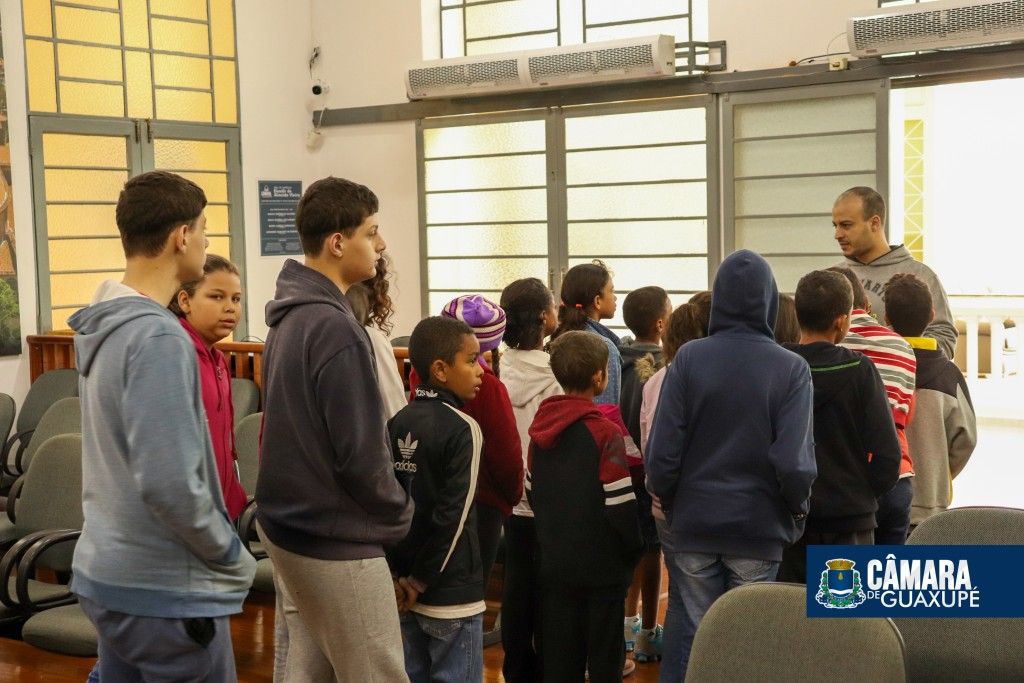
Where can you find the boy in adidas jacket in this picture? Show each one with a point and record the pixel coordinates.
(436, 448)
(582, 497)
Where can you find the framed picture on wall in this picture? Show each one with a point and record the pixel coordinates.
(10, 325)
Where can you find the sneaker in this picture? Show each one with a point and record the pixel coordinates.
(630, 630)
(648, 645)
(628, 668)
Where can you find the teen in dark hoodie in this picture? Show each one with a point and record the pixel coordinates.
(855, 444)
(327, 495)
(731, 454)
(582, 498)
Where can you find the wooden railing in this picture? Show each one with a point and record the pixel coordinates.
(245, 359)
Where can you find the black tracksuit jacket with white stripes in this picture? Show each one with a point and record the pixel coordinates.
(582, 496)
(436, 450)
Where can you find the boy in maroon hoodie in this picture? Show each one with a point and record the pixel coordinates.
(582, 497)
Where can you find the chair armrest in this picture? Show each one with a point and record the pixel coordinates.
(20, 438)
(246, 527)
(27, 568)
(10, 561)
(12, 497)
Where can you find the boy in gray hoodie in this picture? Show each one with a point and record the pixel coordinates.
(158, 567)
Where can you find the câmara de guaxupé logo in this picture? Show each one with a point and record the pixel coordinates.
(840, 586)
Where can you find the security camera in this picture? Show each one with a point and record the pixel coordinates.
(321, 88)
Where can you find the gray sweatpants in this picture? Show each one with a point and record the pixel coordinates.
(341, 618)
(134, 649)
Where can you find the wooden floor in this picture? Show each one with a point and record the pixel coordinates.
(252, 633)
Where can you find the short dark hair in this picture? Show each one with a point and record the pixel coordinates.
(860, 295)
(871, 201)
(524, 302)
(642, 309)
(908, 304)
(821, 297)
(684, 325)
(787, 327)
(332, 205)
(435, 338)
(575, 357)
(151, 206)
(214, 264)
(702, 300)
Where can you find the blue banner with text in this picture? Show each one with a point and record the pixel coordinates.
(915, 581)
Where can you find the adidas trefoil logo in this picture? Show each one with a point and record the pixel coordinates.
(407, 447)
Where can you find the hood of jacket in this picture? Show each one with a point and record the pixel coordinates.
(897, 254)
(644, 358)
(555, 415)
(526, 375)
(833, 368)
(298, 285)
(114, 305)
(745, 299)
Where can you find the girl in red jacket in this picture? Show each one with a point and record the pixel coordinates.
(500, 482)
(208, 309)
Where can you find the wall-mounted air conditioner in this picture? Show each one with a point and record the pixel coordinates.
(936, 25)
(614, 60)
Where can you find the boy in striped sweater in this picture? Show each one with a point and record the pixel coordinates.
(894, 359)
(582, 497)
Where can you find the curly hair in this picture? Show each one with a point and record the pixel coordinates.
(380, 307)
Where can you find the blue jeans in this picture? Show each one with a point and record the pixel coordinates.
(696, 580)
(893, 516)
(443, 650)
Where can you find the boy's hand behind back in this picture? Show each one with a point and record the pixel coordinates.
(411, 594)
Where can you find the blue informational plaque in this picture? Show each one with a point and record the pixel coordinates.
(914, 581)
(278, 200)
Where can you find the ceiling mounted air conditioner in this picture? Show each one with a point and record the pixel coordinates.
(614, 60)
(939, 25)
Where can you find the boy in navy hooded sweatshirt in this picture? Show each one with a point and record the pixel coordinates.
(731, 452)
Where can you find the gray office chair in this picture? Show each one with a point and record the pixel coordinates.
(247, 447)
(49, 388)
(245, 398)
(760, 632)
(966, 649)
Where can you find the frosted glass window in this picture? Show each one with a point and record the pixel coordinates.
(823, 154)
(80, 61)
(92, 220)
(59, 317)
(104, 253)
(37, 18)
(487, 240)
(794, 195)
(180, 36)
(474, 207)
(493, 273)
(222, 27)
(667, 200)
(452, 36)
(215, 185)
(184, 105)
(518, 43)
(181, 72)
(490, 138)
(805, 117)
(61, 149)
(221, 246)
(77, 185)
(515, 16)
(465, 174)
(643, 128)
(135, 21)
(42, 76)
(673, 27)
(140, 85)
(789, 269)
(225, 91)
(678, 273)
(186, 9)
(216, 218)
(190, 155)
(78, 288)
(91, 99)
(787, 235)
(88, 26)
(630, 165)
(639, 238)
(608, 11)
